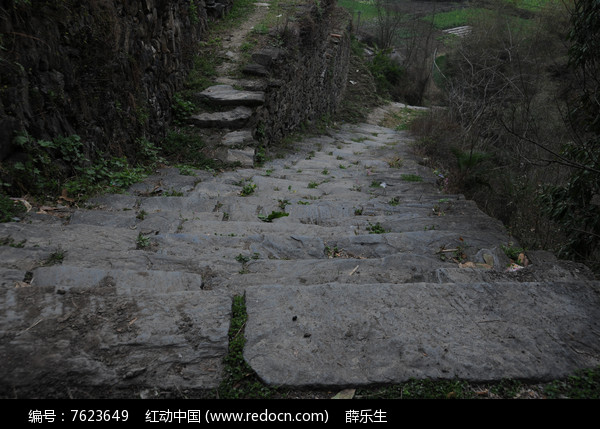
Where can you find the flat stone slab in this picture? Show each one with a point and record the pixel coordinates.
(350, 335)
(226, 95)
(267, 56)
(126, 282)
(240, 139)
(245, 157)
(254, 69)
(95, 332)
(234, 119)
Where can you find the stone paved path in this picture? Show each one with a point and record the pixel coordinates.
(347, 283)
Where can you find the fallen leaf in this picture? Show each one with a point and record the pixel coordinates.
(467, 265)
(514, 267)
(21, 284)
(64, 196)
(46, 208)
(345, 394)
(24, 202)
(522, 259)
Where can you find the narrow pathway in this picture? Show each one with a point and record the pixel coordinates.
(227, 127)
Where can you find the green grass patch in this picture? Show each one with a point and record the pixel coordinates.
(376, 228)
(185, 148)
(367, 8)
(239, 379)
(10, 209)
(401, 120)
(421, 389)
(411, 178)
(532, 5)
(584, 384)
(456, 18)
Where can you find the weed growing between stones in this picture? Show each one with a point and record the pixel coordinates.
(376, 228)
(247, 189)
(240, 381)
(173, 193)
(55, 258)
(9, 241)
(273, 215)
(142, 242)
(411, 178)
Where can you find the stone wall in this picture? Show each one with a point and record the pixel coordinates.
(309, 73)
(105, 70)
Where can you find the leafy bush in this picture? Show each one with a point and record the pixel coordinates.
(182, 109)
(387, 73)
(503, 139)
(48, 168)
(575, 204)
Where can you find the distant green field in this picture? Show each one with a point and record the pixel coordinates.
(444, 20)
(367, 8)
(466, 16)
(532, 5)
(455, 18)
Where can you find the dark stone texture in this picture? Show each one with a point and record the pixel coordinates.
(104, 69)
(308, 74)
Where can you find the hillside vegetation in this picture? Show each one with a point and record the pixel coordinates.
(515, 123)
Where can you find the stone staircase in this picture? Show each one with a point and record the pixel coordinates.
(233, 121)
(347, 282)
(231, 103)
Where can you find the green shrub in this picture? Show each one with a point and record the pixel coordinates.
(49, 168)
(10, 209)
(387, 73)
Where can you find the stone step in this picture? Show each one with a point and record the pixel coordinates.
(25, 259)
(124, 282)
(144, 223)
(80, 238)
(107, 330)
(246, 84)
(231, 119)
(226, 95)
(342, 267)
(363, 334)
(310, 207)
(447, 245)
(255, 69)
(338, 266)
(210, 247)
(243, 157)
(255, 226)
(239, 139)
